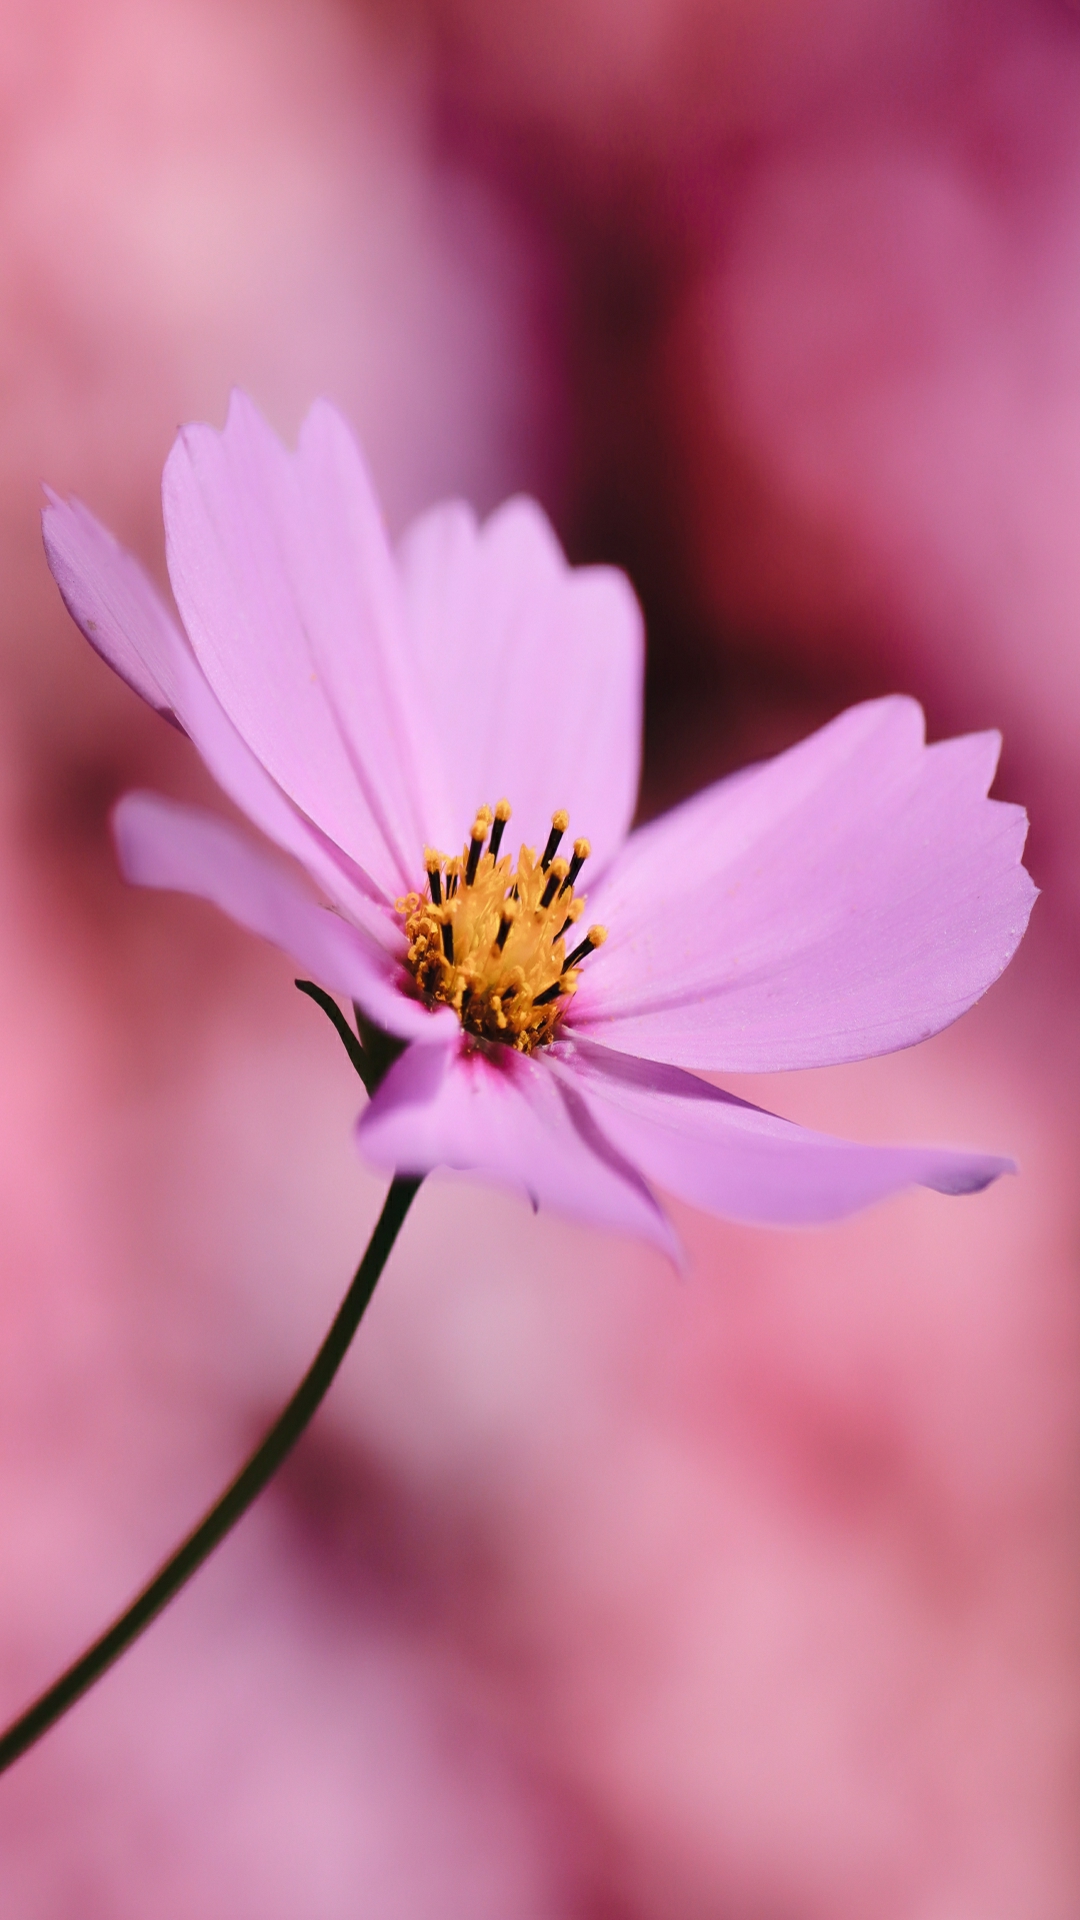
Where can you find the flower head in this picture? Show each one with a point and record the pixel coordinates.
(386, 718)
(489, 938)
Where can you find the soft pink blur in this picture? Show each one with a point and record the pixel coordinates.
(591, 1594)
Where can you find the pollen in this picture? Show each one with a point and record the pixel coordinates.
(488, 938)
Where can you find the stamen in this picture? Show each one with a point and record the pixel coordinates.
(559, 823)
(594, 938)
(568, 980)
(476, 843)
(448, 941)
(502, 815)
(582, 850)
(558, 872)
(509, 915)
(431, 863)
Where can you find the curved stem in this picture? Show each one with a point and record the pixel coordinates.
(233, 1503)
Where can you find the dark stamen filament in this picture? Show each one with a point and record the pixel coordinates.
(549, 993)
(435, 882)
(448, 941)
(476, 848)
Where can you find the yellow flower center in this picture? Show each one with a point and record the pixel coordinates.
(489, 938)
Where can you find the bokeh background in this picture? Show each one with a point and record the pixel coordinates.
(592, 1594)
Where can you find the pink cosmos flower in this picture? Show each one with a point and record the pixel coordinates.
(383, 716)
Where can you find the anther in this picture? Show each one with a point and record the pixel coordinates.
(559, 823)
(559, 871)
(594, 938)
(582, 850)
(502, 815)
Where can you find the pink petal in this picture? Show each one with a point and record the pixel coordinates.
(534, 670)
(733, 1159)
(162, 844)
(112, 600)
(286, 586)
(122, 614)
(507, 1117)
(849, 897)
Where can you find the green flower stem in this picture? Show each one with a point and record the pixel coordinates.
(233, 1503)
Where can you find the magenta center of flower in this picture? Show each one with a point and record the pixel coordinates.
(490, 938)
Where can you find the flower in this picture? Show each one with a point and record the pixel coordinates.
(400, 721)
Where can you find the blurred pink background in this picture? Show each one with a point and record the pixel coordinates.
(592, 1595)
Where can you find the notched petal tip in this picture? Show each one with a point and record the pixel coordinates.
(851, 897)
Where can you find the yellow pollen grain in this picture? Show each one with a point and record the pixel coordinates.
(493, 946)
